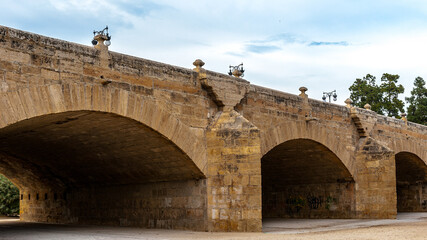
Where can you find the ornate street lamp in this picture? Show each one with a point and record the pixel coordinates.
(329, 94)
(236, 71)
(101, 36)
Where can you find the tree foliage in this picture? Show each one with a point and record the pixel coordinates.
(365, 91)
(382, 98)
(417, 109)
(390, 90)
(9, 197)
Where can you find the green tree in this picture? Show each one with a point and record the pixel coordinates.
(417, 109)
(365, 91)
(390, 90)
(383, 98)
(9, 197)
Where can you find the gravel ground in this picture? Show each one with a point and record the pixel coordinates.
(407, 226)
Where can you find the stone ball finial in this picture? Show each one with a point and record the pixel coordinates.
(348, 102)
(367, 106)
(303, 89)
(198, 63)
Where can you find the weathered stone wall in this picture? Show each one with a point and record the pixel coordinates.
(234, 167)
(333, 200)
(171, 205)
(375, 180)
(44, 205)
(400, 137)
(234, 175)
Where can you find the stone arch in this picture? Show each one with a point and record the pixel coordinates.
(52, 194)
(312, 131)
(417, 148)
(36, 101)
(302, 178)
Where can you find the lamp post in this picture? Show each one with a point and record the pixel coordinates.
(236, 71)
(329, 94)
(101, 37)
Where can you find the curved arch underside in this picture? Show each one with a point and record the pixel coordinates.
(410, 168)
(85, 148)
(328, 137)
(303, 161)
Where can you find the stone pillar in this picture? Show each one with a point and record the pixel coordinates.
(375, 174)
(234, 159)
(234, 174)
(375, 180)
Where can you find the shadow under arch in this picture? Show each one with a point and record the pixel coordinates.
(83, 148)
(302, 178)
(411, 182)
(291, 130)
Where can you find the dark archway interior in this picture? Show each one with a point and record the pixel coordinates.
(100, 168)
(304, 179)
(411, 183)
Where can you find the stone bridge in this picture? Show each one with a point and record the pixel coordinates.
(96, 137)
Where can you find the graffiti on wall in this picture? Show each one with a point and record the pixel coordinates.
(314, 202)
(294, 204)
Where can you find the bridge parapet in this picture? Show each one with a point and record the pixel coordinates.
(279, 103)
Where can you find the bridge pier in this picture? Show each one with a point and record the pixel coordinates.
(234, 174)
(375, 180)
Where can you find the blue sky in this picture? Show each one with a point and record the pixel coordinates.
(322, 45)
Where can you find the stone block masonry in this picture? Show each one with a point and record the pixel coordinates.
(92, 136)
(177, 205)
(234, 176)
(335, 200)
